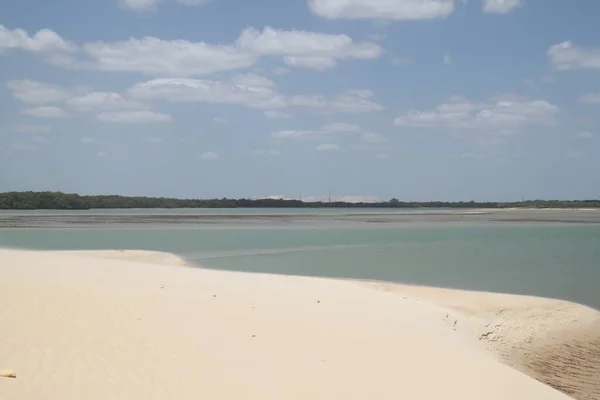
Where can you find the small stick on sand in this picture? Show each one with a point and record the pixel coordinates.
(7, 373)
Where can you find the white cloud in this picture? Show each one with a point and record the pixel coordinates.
(134, 117)
(591, 98)
(209, 155)
(250, 90)
(310, 62)
(327, 147)
(36, 92)
(341, 127)
(501, 6)
(139, 5)
(349, 101)
(154, 140)
(220, 120)
(447, 59)
(504, 115)
(93, 101)
(151, 5)
(298, 134)
(302, 43)
(32, 128)
(382, 156)
(401, 61)
(382, 9)
(46, 112)
(566, 56)
(585, 135)
(272, 114)
(325, 131)
(372, 137)
(182, 58)
(44, 40)
(154, 56)
(33, 92)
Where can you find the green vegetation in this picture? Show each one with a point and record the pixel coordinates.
(64, 201)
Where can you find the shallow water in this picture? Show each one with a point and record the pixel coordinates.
(544, 259)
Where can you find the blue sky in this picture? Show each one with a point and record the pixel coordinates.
(415, 99)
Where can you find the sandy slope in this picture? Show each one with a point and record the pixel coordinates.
(86, 327)
(553, 341)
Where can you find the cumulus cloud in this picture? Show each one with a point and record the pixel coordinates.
(382, 9)
(310, 62)
(154, 56)
(566, 56)
(325, 131)
(327, 147)
(46, 112)
(78, 99)
(306, 48)
(248, 89)
(33, 92)
(96, 101)
(183, 58)
(133, 117)
(44, 40)
(504, 115)
(349, 101)
(501, 6)
(152, 5)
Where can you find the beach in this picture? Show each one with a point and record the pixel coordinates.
(123, 324)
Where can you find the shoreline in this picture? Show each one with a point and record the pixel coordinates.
(105, 290)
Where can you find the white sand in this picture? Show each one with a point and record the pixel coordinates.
(85, 326)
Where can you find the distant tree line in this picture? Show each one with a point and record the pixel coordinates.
(66, 201)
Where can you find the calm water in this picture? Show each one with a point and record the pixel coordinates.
(225, 211)
(552, 260)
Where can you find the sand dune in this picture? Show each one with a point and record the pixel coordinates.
(76, 326)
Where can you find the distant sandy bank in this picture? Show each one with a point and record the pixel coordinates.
(101, 326)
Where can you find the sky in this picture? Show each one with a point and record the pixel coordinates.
(486, 100)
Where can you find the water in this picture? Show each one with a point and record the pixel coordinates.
(226, 211)
(543, 259)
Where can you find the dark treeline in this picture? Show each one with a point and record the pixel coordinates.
(65, 201)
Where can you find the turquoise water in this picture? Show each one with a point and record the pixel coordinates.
(551, 260)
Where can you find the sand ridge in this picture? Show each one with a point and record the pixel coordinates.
(77, 326)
